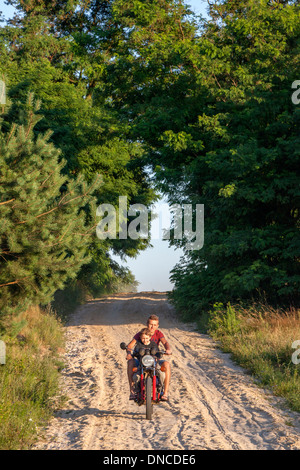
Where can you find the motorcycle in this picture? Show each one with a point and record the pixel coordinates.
(148, 382)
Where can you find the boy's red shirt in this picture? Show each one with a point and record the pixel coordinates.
(158, 335)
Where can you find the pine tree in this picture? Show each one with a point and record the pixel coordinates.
(45, 228)
(58, 50)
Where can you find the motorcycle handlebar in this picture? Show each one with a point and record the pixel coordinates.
(124, 347)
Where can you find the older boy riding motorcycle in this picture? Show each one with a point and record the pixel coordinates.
(157, 337)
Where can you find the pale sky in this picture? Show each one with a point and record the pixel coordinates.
(151, 267)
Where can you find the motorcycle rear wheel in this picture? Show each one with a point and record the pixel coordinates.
(149, 405)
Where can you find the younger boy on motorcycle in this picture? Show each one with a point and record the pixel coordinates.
(157, 337)
(144, 343)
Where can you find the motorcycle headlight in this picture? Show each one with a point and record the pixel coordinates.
(148, 361)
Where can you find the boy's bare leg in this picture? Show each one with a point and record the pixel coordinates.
(167, 378)
(130, 365)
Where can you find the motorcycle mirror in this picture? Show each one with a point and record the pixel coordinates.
(153, 351)
(142, 352)
(123, 346)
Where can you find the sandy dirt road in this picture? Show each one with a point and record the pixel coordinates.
(213, 404)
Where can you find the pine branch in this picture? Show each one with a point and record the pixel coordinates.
(14, 282)
(89, 230)
(60, 205)
(6, 202)
(61, 238)
(49, 176)
(11, 133)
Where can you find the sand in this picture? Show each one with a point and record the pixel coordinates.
(214, 404)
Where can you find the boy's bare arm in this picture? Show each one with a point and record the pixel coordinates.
(130, 346)
(166, 345)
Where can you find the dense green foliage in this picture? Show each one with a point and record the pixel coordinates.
(39, 56)
(212, 105)
(99, 92)
(43, 230)
(205, 103)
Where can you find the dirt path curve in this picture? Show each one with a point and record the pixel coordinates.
(213, 404)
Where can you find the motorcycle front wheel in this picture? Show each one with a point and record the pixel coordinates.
(149, 405)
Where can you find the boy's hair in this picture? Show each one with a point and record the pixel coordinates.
(153, 317)
(145, 331)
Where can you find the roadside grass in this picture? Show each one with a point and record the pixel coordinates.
(260, 339)
(29, 379)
